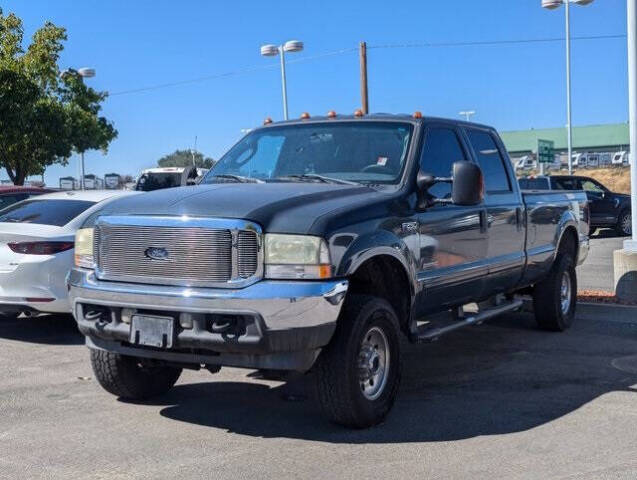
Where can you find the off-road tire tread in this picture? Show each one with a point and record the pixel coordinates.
(121, 376)
(546, 299)
(332, 381)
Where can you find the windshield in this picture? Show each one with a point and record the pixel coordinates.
(44, 212)
(155, 181)
(366, 152)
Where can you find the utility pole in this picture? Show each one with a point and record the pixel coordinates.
(364, 97)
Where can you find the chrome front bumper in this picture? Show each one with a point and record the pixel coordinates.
(285, 317)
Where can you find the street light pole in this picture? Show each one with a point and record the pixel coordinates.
(632, 104)
(284, 86)
(467, 114)
(569, 125)
(551, 5)
(84, 72)
(274, 50)
(625, 260)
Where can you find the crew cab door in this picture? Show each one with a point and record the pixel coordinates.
(453, 246)
(504, 208)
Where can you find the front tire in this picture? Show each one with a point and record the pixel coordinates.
(624, 224)
(129, 378)
(358, 373)
(555, 297)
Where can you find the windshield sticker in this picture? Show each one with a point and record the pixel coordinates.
(382, 161)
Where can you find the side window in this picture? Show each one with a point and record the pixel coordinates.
(565, 184)
(591, 186)
(490, 160)
(442, 149)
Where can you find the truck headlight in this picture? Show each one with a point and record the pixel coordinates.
(84, 248)
(296, 257)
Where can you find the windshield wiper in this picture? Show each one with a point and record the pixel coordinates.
(238, 178)
(321, 178)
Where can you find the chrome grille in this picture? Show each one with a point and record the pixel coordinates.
(248, 246)
(195, 255)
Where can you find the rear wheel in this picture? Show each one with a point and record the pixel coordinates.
(358, 373)
(554, 298)
(625, 223)
(132, 378)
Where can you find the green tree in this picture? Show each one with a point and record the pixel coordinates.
(183, 158)
(42, 119)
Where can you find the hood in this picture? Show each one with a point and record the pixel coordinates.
(277, 207)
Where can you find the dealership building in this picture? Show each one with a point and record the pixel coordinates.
(592, 138)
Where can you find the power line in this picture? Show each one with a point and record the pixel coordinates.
(256, 68)
(495, 42)
(232, 73)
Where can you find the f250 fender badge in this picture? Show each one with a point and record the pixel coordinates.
(410, 227)
(156, 253)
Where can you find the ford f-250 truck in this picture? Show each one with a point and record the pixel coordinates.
(313, 245)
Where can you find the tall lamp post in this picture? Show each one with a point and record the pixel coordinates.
(625, 261)
(467, 114)
(552, 5)
(274, 50)
(84, 72)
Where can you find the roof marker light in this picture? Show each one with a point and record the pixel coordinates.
(417, 114)
(267, 121)
(358, 113)
(305, 116)
(331, 114)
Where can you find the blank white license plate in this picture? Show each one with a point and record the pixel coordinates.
(152, 331)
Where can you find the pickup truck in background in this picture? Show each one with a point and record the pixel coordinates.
(313, 245)
(608, 209)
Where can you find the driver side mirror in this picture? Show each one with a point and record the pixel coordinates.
(467, 185)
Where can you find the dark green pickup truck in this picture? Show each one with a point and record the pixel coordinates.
(312, 246)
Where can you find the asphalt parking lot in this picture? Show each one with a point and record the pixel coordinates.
(502, 400)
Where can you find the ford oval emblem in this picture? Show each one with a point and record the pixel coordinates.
(156, 253)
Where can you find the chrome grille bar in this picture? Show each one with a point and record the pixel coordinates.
(178, 251)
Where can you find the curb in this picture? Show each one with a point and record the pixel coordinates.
(608, 312)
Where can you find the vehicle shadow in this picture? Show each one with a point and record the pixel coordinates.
(503, 377)
(52, 329)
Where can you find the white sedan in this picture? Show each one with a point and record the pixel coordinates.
(36, 249)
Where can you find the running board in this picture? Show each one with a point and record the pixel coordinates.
(425, 334)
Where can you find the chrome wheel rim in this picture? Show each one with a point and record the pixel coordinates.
(373, 363)
(627, 224)
(566, 293)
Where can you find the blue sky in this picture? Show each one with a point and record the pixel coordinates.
(136, 44)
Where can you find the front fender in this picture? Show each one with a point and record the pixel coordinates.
(371, 245)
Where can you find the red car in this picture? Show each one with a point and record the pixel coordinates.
(10, 194)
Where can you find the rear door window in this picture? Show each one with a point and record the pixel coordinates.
(44, 212)
(534, 184)
(565, 184)
(490, 160)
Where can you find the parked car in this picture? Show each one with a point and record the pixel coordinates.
(36, 249)
(315, 244)
(608, 209)
(11, 194)
(169, 177)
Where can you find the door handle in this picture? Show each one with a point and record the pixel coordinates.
(484, 224)
(518, 218)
